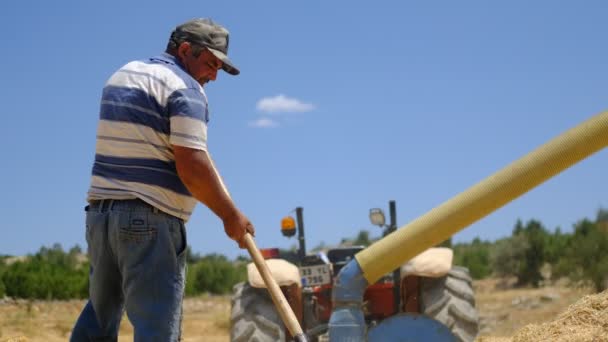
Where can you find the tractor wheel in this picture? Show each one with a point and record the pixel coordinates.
(451, 301)
(253, 316)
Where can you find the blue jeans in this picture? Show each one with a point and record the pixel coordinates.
(138, 264)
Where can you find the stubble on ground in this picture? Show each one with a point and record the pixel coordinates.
(503, 311)
(205, 317)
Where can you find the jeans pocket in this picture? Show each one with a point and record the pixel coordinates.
(90, 221)
(178, 235)
(94, 229)
(137, 228)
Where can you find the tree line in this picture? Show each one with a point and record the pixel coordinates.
(532, 254)
(53, 273)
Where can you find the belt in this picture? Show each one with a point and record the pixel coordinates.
(120, 205)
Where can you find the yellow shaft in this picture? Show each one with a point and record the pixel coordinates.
(485, 197)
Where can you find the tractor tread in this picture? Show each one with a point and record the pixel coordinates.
(437, 306)
(460, 289)
(253, 316)
(461, 273)
(465, 312)
(451, 301)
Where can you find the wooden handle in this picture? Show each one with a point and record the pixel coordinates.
(287, 315)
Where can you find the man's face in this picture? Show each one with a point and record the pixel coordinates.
(202, 68)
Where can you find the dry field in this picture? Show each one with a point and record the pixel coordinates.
(503, 311)
(206, 318)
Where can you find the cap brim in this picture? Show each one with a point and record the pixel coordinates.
(227, 64)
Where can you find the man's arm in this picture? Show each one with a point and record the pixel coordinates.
(196, 170)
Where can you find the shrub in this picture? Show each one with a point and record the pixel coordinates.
(50, 274)
(474, 256)
(586, 259)
(214, 274)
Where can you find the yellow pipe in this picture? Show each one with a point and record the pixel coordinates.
(485, 197)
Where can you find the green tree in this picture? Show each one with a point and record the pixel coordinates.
(191, 257)
(446, 243)
(49, 274)
(518, 228)
(243, 259)
(214, 273)
(362, 239)
(2, 287)
(508, 255)
(523, 254)
(536, 235)
(475, 256)
(602, 219)
(555, 246)
(587, 255)
(318, 247)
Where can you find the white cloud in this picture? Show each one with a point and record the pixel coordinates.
(283, 104)
(264, 123)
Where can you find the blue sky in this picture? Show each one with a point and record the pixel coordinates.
(341, 106)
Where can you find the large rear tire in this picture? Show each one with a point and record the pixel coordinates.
(451, 301)
(253, 316)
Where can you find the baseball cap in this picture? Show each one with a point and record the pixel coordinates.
(205, 32)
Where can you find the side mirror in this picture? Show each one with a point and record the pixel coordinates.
(376, 217)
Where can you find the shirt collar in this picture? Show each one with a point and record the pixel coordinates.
(169, 59)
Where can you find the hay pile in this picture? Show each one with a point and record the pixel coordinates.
(585, 320)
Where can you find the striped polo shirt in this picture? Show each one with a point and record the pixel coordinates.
(146, 107)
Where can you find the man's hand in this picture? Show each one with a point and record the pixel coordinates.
(236, 226)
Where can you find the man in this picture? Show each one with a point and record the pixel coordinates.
(151, 166)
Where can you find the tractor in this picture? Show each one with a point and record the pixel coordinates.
(364, 304)
(428, 285)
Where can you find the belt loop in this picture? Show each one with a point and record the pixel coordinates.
(110, 205)
(100, 208)
(154, 209)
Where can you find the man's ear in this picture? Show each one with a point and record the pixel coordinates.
(183, 49)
